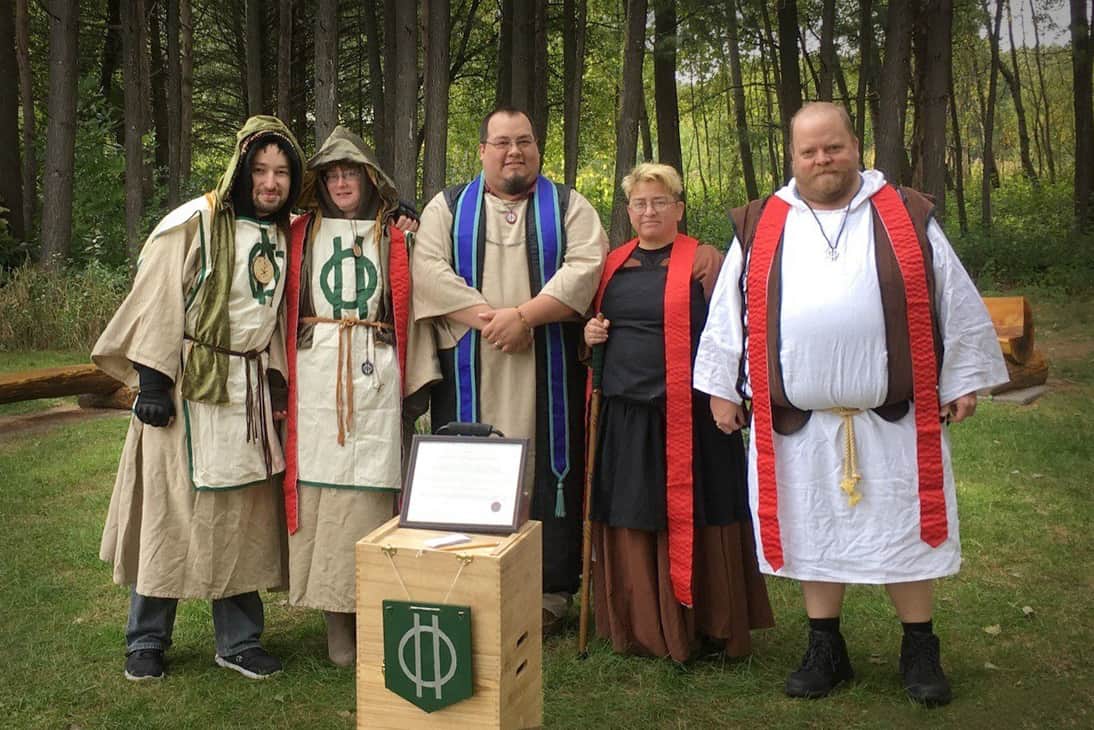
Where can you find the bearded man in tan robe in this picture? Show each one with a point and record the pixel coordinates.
(506, 265)
(196, 510)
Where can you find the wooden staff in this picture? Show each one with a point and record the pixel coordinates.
(587, 525)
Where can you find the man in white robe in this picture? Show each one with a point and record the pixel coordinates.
(196, 510)
(847, 508)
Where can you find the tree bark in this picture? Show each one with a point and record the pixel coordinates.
(437, 21)
(573, 40)
(630, 105)
(739, 110)
(405, 95)
(174, 103)
(790, 100)
(391, 64)
(26, 101)
(1044, 105)
(959, 164)
(112, 49)
(158, 87)
(665, 98)
(326, 70)
(523, 57)
(284, 59)
(11, 184)
(537, 85)
(132, 49)
(186, 90)
(827, 50)
(933, 46)
(503, 92)
(60, 133)
(1084, 116)
(768, 67)
(254, 56)
(644, 131)
(376, 80)
(890, 155)
(1014, 83)
(989, 113)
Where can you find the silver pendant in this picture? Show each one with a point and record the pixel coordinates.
(833, 254)
(367, 367)
(510, 216)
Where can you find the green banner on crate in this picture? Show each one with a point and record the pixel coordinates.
(427, 653)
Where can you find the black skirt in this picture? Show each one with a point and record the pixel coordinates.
(629, 480)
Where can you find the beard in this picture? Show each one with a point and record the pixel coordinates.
(830, 186)
(518, 183)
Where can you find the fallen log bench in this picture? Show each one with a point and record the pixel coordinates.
(95, 388)
(1013, 321)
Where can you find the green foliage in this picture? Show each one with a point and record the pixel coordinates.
(1032, 239)
(65, 309)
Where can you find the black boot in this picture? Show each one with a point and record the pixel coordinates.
(823, 667)
(921, 668)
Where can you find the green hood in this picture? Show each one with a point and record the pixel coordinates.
(378, 194)
(206, 375)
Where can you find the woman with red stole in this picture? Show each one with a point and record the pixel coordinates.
(675, 563)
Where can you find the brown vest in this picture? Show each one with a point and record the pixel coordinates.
(786, 418)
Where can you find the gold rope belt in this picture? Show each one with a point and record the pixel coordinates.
(851, 476)
(255, 413)
(343, 394)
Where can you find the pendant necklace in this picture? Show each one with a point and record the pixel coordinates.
(510, 212)
(357, 239)
(833, 245)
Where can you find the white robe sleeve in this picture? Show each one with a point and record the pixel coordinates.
(718, 359)
(972, 359)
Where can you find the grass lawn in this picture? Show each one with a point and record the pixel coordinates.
(1016, 624)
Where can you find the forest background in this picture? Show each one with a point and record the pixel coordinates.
(127, 108)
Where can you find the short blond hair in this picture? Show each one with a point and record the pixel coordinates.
(654, 172)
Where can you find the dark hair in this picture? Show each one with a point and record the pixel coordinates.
(506, 110)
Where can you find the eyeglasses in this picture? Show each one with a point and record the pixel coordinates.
(657, 205)
(337, 174)
(504, 143)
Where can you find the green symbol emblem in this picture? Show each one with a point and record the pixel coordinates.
(330, 279)
(427, 653)
(263, 269)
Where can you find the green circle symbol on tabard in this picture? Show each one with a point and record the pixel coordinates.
(330, 279)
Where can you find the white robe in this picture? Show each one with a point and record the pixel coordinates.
(833, 354)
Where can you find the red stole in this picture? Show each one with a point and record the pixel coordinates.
(679, 491)
(894, 216)
(399, 279)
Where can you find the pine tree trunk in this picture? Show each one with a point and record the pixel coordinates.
(665, 40)
(186, 90)
(1044, 105)
(523, 58)
(26, 101)
(503, 92)
(437, 22)
(1014, 83)
(254, 56)
(959, 164)
(326, 70)
(112, 49)
(158, 80)
(11, 184)
(827, 50)
(573, 40)
(405, 95)
(132, 19)
(1081, 58)
(376, 79)
(740, 112)
(60, 133)
(537, 86)
(989, 114)
(890, 156)
(933, 58)
(284, 60)
(391, 65)
(790, 99)
(174, 103)
(630, 105)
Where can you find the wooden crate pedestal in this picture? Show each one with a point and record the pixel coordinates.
(500, 584)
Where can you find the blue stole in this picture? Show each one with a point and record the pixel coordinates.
(467, 254)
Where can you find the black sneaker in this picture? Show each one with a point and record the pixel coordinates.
(253, 663)
(824, 666)
(144, 664)
(921, 668)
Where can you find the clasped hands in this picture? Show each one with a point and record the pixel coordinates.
(506, 329)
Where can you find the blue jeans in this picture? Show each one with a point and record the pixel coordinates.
(237, 622)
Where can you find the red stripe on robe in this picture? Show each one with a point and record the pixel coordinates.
(679, 487)
(898, 225)
(399, 276)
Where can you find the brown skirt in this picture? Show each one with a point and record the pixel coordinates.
(637, 610)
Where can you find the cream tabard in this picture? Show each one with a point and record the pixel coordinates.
(346, 490)
(833, 354)
(507, 386)
(162, 534)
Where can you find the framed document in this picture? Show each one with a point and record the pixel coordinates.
(465, 483)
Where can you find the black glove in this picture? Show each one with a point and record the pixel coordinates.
(406, 209)
(279, 391)
(154, 405)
